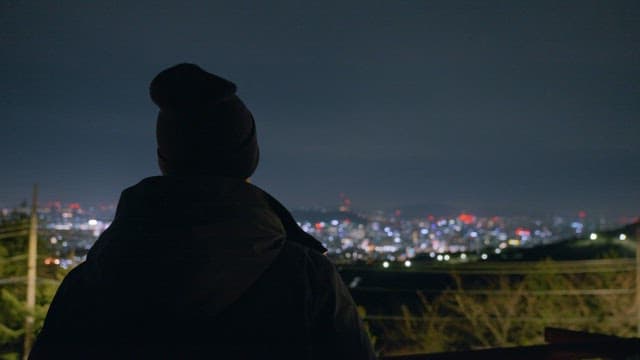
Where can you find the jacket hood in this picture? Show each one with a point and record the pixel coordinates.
(195, 243)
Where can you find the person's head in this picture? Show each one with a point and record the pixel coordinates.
(203, 128)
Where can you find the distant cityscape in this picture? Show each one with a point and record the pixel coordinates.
(350, 236)
(391, 237)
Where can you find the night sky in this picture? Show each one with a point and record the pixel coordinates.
(507, 106)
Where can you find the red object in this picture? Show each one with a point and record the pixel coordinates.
(467, 218)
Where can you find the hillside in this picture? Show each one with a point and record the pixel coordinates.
(618, 243)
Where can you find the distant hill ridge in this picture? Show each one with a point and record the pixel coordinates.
(322, 215)
(618, 243)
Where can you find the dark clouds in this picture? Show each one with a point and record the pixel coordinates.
(528, 105)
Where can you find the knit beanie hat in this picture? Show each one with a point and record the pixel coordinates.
(203, 128)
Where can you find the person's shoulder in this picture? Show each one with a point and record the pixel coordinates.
(311, 256)
(77, 274)
(75, 284)
(319, 272)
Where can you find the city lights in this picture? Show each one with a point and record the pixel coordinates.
(383, 238)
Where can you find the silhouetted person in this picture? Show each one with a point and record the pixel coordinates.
(199, 263)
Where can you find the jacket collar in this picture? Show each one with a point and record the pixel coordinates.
(192, 199)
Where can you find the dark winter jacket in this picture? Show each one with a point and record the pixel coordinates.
(203, 267)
